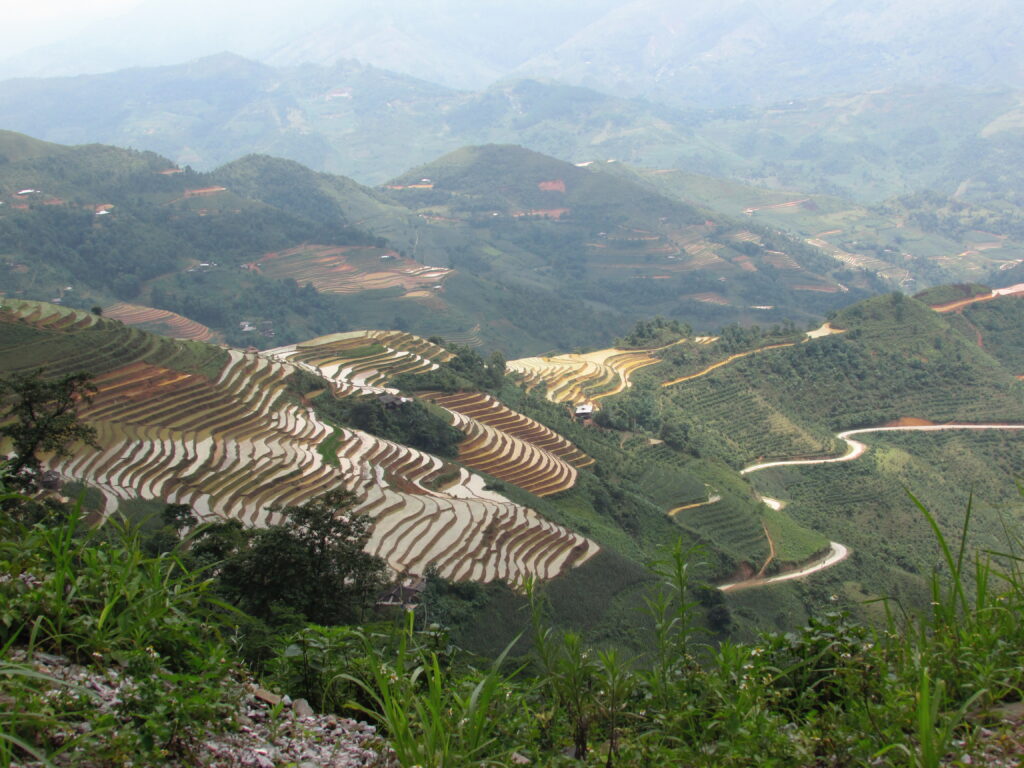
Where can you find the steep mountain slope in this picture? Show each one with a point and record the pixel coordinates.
(230, 432)
(372, 124)
(226, 251)
(344, 117)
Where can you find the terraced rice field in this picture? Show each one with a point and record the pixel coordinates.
(159, 321)
(510, 446)
(350, 269)
(579, 379)
(487, 410)
(362, 361)
(62, 341)
(232, 445)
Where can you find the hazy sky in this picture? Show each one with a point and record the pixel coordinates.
(28, 24)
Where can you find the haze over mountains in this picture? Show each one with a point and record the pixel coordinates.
(709, 53)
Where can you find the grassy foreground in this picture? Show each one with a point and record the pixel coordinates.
(910, 693)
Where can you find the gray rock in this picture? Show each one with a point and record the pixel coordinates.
(264, 695)
(301, 708)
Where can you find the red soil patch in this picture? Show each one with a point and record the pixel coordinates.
(170, 171)
(204, 192)
(555, 185)
(909, 421)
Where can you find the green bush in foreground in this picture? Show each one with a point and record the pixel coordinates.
(94, 596)
(832, 693)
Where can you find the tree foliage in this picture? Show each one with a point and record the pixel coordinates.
(41, 416)
(312, 566)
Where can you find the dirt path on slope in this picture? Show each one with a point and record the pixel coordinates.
(771, 553)
(855, 449)
(977, 331)
(836, 554)
(1013, 290)
(696, 505)
(729, 359)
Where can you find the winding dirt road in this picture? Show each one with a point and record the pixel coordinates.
(855, 449)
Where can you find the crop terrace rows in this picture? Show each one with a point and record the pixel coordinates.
(234, 446)
(580, 378)
(490, 411)
(169, 323)
(352, 362)
(508, 458)
(347, 269)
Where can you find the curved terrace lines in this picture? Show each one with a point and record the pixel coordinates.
(230, 443)
(578, 379)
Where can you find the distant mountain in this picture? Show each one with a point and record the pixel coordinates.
(344, 118)
(372, 125)
(730, 52)
(461, 43)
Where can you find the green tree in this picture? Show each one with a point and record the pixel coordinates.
(41, 416)
(312, 564)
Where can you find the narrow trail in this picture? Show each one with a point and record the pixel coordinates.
(696, 505)
(855, 449)
(977, 331)
(1013, 290)
(771, 553)
(729, 359)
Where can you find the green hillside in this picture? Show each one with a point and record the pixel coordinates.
(506, 247)
(607, 239)
(666, 458)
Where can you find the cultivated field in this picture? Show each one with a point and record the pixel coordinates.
(221, 435)
(362, 361)
(350, 269)
(583, 378)
(158, 321)
(511, 446)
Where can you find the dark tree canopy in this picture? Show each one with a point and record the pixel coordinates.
(39, 415)
(312, 564)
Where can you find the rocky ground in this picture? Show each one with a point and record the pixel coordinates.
(267, 730)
